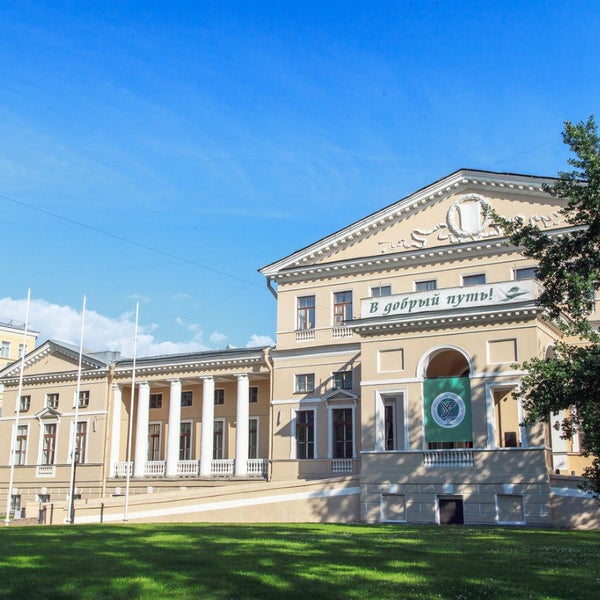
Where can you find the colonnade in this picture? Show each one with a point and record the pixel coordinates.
(142, 421)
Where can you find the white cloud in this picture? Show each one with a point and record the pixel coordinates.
(260, 340)
(217, 338)
(63, 323)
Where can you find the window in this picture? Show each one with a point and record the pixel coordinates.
(426, 286)
(306, 312)
(218, 441)
(81, 441)
(52, 401)
(21, 447)
(155, 400)
(253, 438)
(478, 279)
(185, 441)
(389, 429)
(22, 350)
(15, 505)
(381, 290)
(253, 394)
(186, 398)
(154, 441)
(305, 434)
(49, 444)
(43, 498)
(220, 396)
(342, 380)
(305, 382)
(342, 433)
(84, 399)
(25, 403)
(5, 350)
(342, 308)
(525, 273)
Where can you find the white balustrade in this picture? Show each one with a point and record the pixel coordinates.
(449, 458)
(341, 465)
(305, 335)
(222, 467)
(121, 469)
(257, 467)
(342, 332)
(154, 468)
(188, 468)
(45, 471)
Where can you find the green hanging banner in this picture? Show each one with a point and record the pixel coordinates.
(448, 409)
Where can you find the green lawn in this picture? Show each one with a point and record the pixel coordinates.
(297, 561)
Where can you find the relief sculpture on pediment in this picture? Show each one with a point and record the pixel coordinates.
(468, 219)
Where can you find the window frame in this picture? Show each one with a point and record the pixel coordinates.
(5, 349)
(21, 445)
(519, 271)
(340, 380)
(304, 383)
(48, 444)
(305, 315)
(84, 398)
(221, 433)
(347, 440)
(52, 400)
(303, 440)
(155, 449)
(25, 403)
(379, 293)
(426, 285)
(342, 307)
(186, 449)
(253, 394)
(155, 401)
(473, 279)
(185, 394)
(219, 396)
(253, 438)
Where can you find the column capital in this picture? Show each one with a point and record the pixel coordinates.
(241, 375)
(206, 378)
(116, 386)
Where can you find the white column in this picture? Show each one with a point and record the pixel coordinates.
(115, 440)
(208, 425)
(174, 427)
(241, 430)
(141, 430)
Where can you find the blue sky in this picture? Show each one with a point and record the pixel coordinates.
(164, 151)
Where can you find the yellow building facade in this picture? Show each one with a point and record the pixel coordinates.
(389, 396)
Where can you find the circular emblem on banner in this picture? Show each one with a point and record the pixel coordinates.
(448, 410)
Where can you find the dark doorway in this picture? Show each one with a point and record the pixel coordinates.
(451, 511)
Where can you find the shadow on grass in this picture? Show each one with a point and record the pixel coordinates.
(296, 561)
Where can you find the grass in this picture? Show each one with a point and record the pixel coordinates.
(297, 561)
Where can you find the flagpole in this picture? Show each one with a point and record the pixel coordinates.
(13, 443)
(131, 405)
(74, 449)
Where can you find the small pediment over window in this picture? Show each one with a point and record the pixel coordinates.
(339, 396)
(47, 413)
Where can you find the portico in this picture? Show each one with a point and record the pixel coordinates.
(192, 421)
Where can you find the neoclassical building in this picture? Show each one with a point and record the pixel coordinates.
(389, 396)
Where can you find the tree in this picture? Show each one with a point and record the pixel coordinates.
(569, 271)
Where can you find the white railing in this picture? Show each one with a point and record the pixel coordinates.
(121, 469)
(45, 471)
(449, 458)
(222, 467)
(342, 332)
(341, 465)
(154, 468)
(188, 468)
(257, 467)
(305, 335)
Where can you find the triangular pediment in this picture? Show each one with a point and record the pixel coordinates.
(451, 212)
(52, 357)
(47, 413)
(340, 395)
